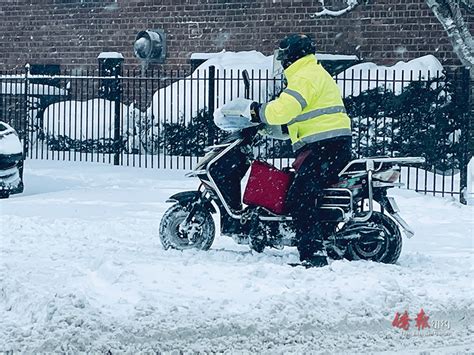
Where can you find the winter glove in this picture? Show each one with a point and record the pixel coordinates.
(275, 131)
(235, 115)
(272, 131)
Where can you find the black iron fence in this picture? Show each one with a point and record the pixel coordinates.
(163, 119)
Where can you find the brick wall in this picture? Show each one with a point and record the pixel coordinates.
(73, 32)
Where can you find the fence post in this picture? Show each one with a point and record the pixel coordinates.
(245, 75)
(211, 102)
(24, 123)
(24, 126)
(117, 123)
(110, 64)
(467, 87)
(470, 93)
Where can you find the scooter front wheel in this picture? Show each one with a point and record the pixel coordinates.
(176, 233)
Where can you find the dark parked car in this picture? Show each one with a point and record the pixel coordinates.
(11, 161)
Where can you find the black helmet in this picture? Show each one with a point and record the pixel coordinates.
(294, 47)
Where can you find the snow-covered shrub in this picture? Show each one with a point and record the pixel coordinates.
(181, 138)
(107, 145)
(88, 126)
(424, 120)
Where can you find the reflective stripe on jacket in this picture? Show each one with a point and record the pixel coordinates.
(311, 105)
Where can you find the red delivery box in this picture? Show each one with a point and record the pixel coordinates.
(267, 187)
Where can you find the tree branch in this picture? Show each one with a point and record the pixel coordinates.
(449, 15)
(467, 4)
(351, 4)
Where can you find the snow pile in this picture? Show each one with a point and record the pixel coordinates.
(18, 88)
(15, 85)
(185, 98)
(469, 193)
(110, 55)
(247, 60)
(82, 270)
(365, 76)
(9, 141)
(180, 101)
(92, 119)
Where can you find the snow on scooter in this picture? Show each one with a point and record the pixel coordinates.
(354, 228)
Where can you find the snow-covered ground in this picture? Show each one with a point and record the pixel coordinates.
(82, 269)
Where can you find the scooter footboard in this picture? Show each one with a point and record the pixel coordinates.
(336, 205)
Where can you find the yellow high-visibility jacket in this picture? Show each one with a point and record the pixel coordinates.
(311, 105)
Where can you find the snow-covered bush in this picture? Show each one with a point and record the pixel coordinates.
(88, 126)
(189, 138)
(426, 119)
(366, 76)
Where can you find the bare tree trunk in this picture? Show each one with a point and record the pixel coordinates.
(449, 15)
(471, 111)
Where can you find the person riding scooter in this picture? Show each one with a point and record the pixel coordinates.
(312, 111)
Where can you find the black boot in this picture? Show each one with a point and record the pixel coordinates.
(318, 259)
(310, 247)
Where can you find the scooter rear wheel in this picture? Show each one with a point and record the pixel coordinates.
(386, 249)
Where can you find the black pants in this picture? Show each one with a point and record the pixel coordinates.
(317, 171)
